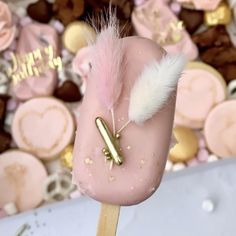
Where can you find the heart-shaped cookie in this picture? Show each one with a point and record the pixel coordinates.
(43, 126)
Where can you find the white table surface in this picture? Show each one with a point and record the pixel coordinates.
(174, 210)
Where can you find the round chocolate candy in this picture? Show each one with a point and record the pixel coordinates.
(68, 92)
(76, 34)
(40, 11)
(186, 147)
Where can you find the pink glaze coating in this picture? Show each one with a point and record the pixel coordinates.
(144, 147)
(220, 129)
(7, 28)
(43, 126)
(21, 179)
(36, 36)
(200, 88)
(151, 21)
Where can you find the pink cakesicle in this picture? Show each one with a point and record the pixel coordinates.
(35, 37)
(134, 81)
(155, 20)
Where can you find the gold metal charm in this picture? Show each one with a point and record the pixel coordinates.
(112, 150)
(220, 16)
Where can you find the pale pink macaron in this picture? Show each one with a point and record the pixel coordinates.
(21, 179)
(201, 88)
(43, 126)
(220, 129)
(36, 36)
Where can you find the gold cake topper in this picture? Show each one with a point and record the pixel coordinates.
(34, 63)
(111, 151)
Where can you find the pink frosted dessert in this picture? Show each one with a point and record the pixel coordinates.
(124, 130)
(21, 179)
(35, 37)
(7, 28)
(155, 20)
(220, 129)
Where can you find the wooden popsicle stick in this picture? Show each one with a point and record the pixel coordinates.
(108, 220)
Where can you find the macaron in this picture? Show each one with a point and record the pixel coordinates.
(43, 126)
(200, 88)
(21, 178)
(220, 129)
(186, 147)
(76, 34)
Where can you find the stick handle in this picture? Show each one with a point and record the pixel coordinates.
(108, 221)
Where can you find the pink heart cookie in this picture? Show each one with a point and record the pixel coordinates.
(155, 20)
(21, 178)
(43, 126)
(220, 129)
(37, 36)
(201, 88)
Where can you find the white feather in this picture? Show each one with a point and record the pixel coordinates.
(154, 86)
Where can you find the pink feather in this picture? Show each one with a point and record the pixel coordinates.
(106, 64)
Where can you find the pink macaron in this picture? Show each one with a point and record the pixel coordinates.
(220, 129)
(201, 88)
(21, 178)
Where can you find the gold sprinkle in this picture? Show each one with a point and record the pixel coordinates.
(128, 147)
(111, 178)
(88, 161)
(111, 165)
(153, 189)
(142, 162)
